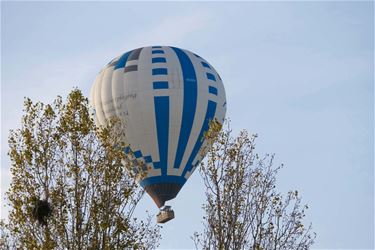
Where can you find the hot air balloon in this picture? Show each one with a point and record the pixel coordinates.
(167, 97)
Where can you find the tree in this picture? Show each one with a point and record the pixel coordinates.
(243, 209)
(69, 188)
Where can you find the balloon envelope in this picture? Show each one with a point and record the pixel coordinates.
(166, 97)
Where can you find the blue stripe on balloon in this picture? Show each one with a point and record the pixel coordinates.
(210, 114)
(211, 77)
(212, 90)
(160, 71)
(204, 64)
(160, 85)
(189, 104)
(197, 56)
(159, 60)
(163, 179)
(162, 128)
(158, 51)
(122, 61)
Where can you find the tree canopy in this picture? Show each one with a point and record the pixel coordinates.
(69, 187)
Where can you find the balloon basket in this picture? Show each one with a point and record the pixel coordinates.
(165, 214)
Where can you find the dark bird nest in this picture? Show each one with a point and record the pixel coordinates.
(41, 211)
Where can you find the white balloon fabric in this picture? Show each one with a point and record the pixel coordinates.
(166, 96)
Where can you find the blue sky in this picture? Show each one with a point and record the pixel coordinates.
(300, 74)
